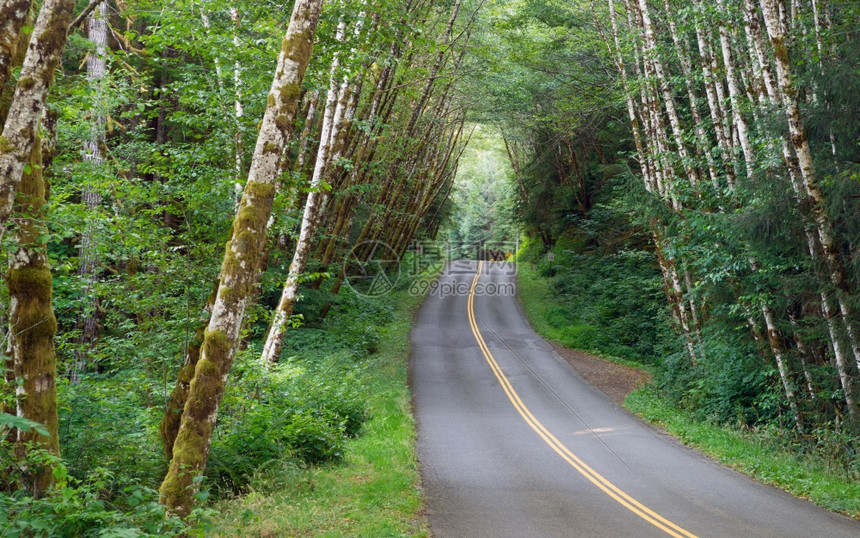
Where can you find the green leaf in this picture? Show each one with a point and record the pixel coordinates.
(23, 424)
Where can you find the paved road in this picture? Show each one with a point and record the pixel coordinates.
(513, 442)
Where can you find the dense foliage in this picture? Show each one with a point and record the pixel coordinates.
(146, 139)
(696, 187)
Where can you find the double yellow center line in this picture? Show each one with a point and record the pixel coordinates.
(605, 485)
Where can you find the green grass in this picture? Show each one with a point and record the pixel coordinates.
(538, 299)
(373, 491)
(753, 453)
(756, 453)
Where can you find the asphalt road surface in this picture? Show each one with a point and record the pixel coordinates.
(513, 442)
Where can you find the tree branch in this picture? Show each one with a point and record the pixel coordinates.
(80, 18)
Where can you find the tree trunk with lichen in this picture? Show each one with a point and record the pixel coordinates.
(32, 324)
(13, 13)
(333, 121)
(36, 78)
(12, 48)
(767, 83)
(703, 145)
(715, 103)
(829, 242)
(191, 448)
(738, 120)
(87, 268)
(651, 56)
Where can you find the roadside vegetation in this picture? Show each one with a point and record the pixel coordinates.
(187, 190)
(324, 442)
(607, 311)
(371, 487)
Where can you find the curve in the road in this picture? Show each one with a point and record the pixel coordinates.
(593, 476)
(486, 474)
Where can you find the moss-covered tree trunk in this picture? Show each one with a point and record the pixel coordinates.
(191, 448)
(32, 324)
(333, 116)
(28, 104)
(169, 425)
(13, 13)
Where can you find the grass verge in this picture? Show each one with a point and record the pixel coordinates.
(755, 453)
(752, 453)
(538, 301)
(373, 491)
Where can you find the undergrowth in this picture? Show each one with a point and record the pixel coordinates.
(372, 490)
(566, 301)
(324, 440)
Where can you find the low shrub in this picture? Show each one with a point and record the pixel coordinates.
(88, 508)
(314, 438)
(295, 413)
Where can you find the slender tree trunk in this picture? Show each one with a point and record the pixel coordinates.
(656, 173)
(35, 80)
(768, 82)
(239, 110)
(739, 120)
(88, 266)
(644, 162)
(513, 157)
(191, 448)
(394, 166)
(649, 111)
(316, 196)
(843, 367)
(803, 351)
(377, 116)
(714, 100)
(776, 347)
(304, 141)
(703, 143)
(742, 132)
(668, 98)
(800, 143)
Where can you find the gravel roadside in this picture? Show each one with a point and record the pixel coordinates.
(616, 380)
